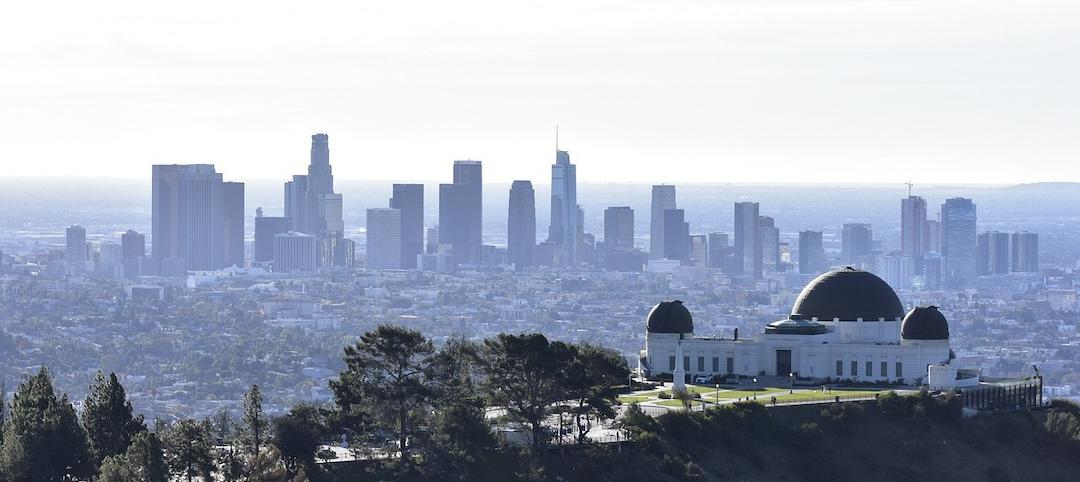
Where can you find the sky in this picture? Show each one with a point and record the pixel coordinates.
(711, 91)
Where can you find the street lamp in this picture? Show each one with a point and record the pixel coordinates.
(755, 388)
(791, 378)
(716, 398)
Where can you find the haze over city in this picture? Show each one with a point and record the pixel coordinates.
(691, 91)
(819, 240)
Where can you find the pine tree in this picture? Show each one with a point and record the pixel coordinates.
(147, 458)
(254, 418)
(108, 420)
(42, 438)
(189, 450)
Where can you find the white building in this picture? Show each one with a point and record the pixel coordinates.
(294, 252)
(847, 324)
(384, 238)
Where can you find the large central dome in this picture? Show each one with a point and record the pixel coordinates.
(848, 294)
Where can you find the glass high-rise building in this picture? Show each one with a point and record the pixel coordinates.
(232, 195)
(564, 207)
(266, 227)
(958, 239)
(748, 249)
(913, 233)
(619, 227)
(1025, 252)
(521, 224)
(856, 241)
(811, 252)
(461, 211)
(75, 249)
(188, 217)
(663, 198)
(676, 235)
(409, 198)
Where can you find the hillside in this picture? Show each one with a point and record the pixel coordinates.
(917, 439)
(855, 444)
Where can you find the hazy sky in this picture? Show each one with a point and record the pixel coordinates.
(646, 91)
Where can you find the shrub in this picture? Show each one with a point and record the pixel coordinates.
(1063, 425)
(665, 395)
(893, 405)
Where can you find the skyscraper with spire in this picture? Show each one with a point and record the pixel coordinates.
(316, 209)
(564, 207)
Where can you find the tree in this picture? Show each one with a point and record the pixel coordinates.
(524, 375)
(385, 377)
(108, 420)
(142, 462)
(42, 427)
(591, 377)
(460, 436)
(296, 441)
(188, 449)
(254, 419)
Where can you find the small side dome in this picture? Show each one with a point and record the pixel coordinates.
(670, 317)
(925, 323)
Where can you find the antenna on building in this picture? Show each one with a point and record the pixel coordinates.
(909, 186)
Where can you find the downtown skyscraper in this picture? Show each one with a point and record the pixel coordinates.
(75, 249)
(663, 198)
(409, 199)
(811, 252)
(189, 214)
(461, 212)
(913, 229)
(384, 238)
(958, 239)
(748, 249)
(564, 207)
(521, 224)
(315, 209)
(856, 241)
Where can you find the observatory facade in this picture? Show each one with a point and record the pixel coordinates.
(847, 324)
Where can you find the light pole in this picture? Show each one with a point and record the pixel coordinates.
(791, 378)
(755, 388)
(716, 398)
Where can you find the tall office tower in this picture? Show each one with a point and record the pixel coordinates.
(75, 252)
(294, 252)
(770, 242)
(932, 266)
(112, 261)
(132, 253)
(913, 235)
(992, 254)
(1025, 252)
(232, 196)
(663, 198)
(933, 236)
(521, 224)
(811, 252)
(133, 244)
(699, 250)
(266, 227)
(384, 238)
(564, 207)
(748, 252)
(982, 254)
(958, 239)
(432, 244)
(619, 227)
(676, 235)
(719, 249)
(295, 192)
(461, 211)
(188, 217)
(856, 241)
(409, 198)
